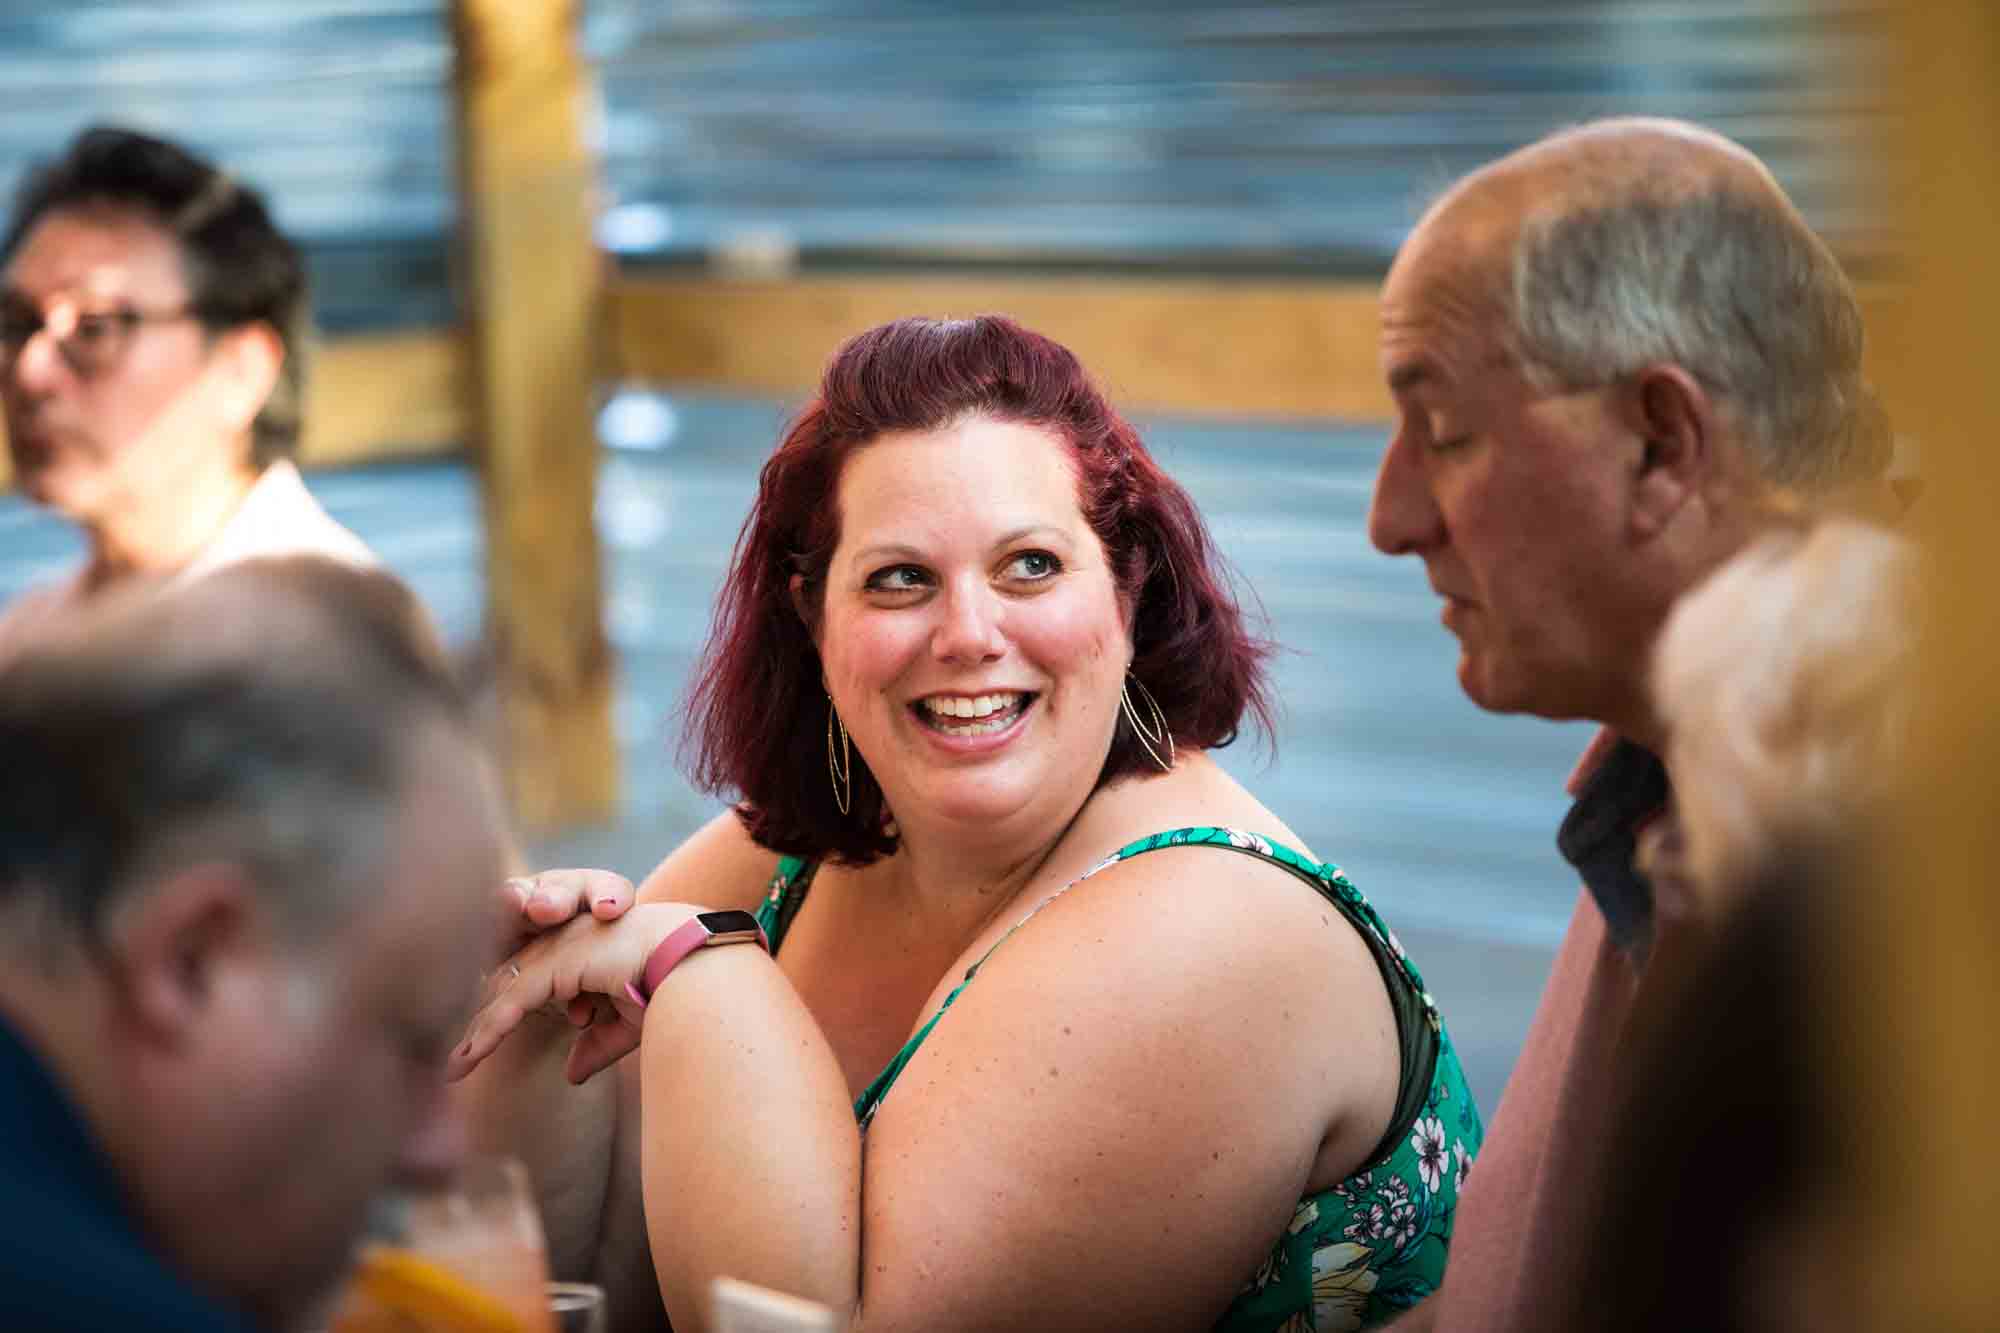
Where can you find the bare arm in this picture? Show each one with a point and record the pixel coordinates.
(519, 1103)
(1108, 1129)
(522, 1101)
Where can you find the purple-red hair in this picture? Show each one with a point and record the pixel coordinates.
(758, 712)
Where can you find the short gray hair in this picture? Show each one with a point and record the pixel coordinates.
(1733, 288)
(265, 716)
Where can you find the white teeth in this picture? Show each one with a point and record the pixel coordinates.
(982, 706)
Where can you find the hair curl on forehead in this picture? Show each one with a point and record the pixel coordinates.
(757, 709)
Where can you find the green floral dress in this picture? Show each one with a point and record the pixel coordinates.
(1371, 1247)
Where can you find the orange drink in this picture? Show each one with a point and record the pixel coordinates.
(468, 1258)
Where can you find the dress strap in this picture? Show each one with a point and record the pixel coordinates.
(1419, 1029)
(783, 897)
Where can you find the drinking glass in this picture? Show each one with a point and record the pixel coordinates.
(465, 1257)
(578, 1307)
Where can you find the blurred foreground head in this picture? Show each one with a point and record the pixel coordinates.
(1786, 682)
(1607, 351)
(1724, 1201)
(246, 866)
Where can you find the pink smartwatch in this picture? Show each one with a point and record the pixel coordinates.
(702, 931)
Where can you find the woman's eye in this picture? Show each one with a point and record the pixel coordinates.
(1033, 565)
(897, 578)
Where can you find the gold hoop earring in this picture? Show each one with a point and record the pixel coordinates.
(1155, 738)
(839, 767)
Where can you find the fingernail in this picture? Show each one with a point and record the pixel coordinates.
(607, 902)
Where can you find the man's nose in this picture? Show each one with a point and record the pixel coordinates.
(36, 364)
(1403, 516)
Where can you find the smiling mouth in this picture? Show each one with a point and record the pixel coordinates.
(971, 714)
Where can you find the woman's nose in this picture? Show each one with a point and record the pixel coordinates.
(970, 630)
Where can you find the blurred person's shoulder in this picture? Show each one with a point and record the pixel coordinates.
(72, 1258)
(41, 606)
(281, 516)
(278, 518)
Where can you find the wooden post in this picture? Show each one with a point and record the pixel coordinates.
(532, 278)
(1925, 983)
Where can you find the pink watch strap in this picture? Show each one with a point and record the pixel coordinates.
(699, 930)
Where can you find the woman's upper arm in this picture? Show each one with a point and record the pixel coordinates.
(1117, 1118)
(717, 866)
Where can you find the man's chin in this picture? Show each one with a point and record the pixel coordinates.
(53, 488)
(1531, 694)
(1487, 689)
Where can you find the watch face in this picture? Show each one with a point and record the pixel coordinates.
(730, 927)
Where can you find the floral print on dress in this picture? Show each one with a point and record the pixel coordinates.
(1361, 1253)
(1428, 1140)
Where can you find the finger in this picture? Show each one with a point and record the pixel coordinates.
(611, 1038)
(597, 1048)
(612, 896)
(589, 1008)
(560, 895)
(519, 889)
(521, 993)
(496, 981)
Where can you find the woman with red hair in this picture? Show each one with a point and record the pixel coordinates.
(1019, 1047)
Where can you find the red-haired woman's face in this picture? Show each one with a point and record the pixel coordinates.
(972, 636)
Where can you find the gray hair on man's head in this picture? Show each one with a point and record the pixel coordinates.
(1633, 263)
(265, 717)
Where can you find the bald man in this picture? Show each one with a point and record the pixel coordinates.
(248, 869)
(1610, 353)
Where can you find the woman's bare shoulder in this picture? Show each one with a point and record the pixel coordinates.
(1198, 793)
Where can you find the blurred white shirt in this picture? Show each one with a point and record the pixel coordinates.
(278, 517)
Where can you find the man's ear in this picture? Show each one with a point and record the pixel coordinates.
(175, 939)
(1674, 420)
(252, 357)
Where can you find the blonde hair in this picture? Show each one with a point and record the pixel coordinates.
(1784, 681)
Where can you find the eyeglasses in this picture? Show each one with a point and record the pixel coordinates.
(90, 341)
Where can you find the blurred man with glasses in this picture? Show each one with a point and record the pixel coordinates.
(152, 330)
